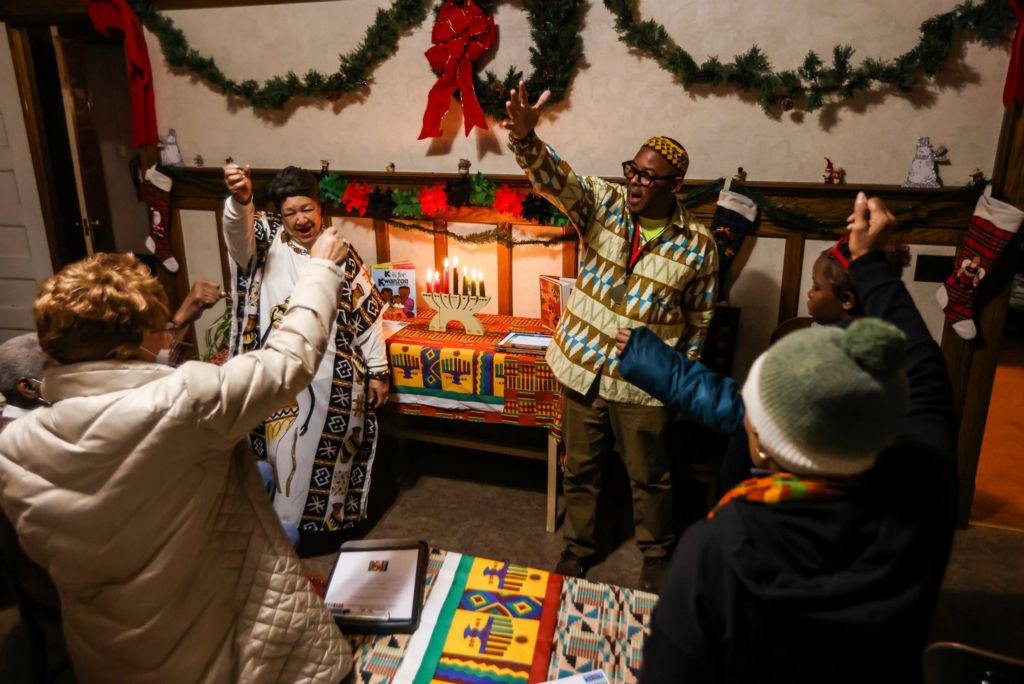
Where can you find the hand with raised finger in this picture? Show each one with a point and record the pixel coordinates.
(238, 180)
(869, 226)
(522, 116)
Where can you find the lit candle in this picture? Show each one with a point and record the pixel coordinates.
(437, 283)
(472, 282)
(430, 280)
(465, 281)
(455, 275)
(483, 292)
(446, 281)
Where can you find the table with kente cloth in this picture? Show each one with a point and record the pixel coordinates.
(495, 622)
(455, 376)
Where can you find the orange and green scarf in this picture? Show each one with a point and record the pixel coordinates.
(780, 487)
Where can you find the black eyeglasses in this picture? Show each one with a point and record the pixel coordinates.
(643, 178)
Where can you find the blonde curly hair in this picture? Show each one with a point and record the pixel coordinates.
(99, 308)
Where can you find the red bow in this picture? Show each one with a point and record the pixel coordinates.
(460, 36)
(1014, 88)
(117, 15)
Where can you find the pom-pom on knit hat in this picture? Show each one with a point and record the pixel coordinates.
(825, 401)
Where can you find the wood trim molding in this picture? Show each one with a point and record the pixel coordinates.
(972, 364)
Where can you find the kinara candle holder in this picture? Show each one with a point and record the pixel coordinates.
(455, 307)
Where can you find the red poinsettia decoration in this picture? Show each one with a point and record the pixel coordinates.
(509, 200)
(433, 200)
(356, 197)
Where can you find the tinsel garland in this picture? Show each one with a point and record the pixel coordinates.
(813, 84)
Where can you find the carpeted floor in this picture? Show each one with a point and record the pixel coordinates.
(493, 506)
(999, 485)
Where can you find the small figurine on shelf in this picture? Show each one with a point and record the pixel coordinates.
(741, 175)
(977, 176)
(170, 153)
(390, 168)
(923, 172)
(198, 161)
(829, 175)
(228, 160)
(325, 167)
(838, 175)
(464, 165)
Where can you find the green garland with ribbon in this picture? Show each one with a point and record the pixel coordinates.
(555, 30)
(813, 84)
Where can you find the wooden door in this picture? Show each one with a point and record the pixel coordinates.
(25, 253)
(95, 220)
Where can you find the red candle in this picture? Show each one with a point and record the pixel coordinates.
(446, 280)
(437, 283)
(430, 280)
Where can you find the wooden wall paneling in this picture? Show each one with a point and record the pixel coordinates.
(792, 268)
(382, 234)
(570, 253)
(505, 271)
(972, 364)
(225, 266)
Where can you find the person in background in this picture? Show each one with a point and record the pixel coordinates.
(832, 299)
(21, 371)
(134, 491)
(320, 443)
(645, 261)
(826, 565)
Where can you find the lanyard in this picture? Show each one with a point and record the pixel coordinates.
(637, 247)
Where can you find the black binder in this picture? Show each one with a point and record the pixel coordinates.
(369, 587)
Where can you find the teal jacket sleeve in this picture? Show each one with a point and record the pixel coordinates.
(681, 383)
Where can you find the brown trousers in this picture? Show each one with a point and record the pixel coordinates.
(591, 428)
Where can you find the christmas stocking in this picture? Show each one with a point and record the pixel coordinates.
(992, 226)
(733, 219)
(155, 191)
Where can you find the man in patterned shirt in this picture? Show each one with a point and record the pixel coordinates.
(645, 262)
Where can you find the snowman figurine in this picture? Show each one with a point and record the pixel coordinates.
(922, 173)
(170, 153)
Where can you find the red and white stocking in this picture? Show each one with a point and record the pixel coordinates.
(992, 227)
(155, 190)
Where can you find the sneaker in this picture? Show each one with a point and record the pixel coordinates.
(652, 573)
(571, 565)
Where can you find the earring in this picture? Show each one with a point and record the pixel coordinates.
(763, 456)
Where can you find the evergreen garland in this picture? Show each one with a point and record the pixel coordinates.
(813, 83)
(379, 43)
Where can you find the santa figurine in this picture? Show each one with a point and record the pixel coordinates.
(838, 175)
(829, 175)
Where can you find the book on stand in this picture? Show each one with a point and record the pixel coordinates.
(396, 282)
(554, 296)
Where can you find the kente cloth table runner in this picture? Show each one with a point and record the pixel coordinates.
(443, 373)
(493, 622)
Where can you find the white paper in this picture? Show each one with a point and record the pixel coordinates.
(521, 339)
(374, 584)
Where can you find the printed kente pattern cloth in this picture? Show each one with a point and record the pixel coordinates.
(453, 370)
(502, 623)
(671, 289)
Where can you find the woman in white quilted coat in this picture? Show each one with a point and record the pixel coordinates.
(129, 490)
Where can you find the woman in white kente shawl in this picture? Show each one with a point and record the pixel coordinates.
(321, 445)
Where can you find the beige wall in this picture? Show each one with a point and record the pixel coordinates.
(617, 99)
